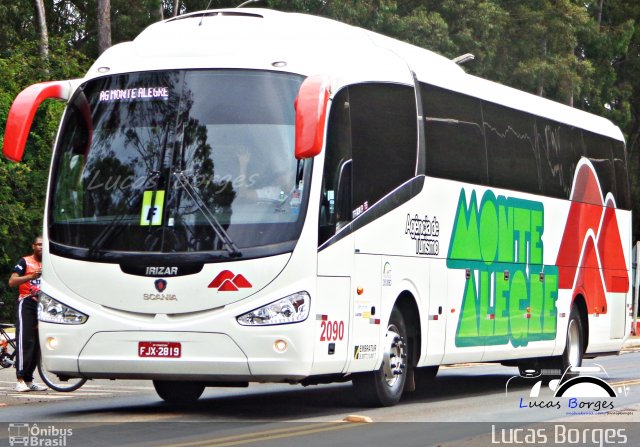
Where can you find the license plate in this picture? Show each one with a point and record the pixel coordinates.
(159, 349)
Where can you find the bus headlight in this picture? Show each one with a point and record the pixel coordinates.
(52, 311)
(291, 309)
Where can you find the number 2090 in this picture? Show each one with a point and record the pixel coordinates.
(331, 330)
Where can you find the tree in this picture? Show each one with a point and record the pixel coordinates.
(104, 25)
(23, 185)
(41, 26)
(619, 64)
(580, 52)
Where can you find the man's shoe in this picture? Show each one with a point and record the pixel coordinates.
(22, 387)
(35, 387)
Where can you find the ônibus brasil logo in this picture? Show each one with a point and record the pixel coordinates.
(38, 435)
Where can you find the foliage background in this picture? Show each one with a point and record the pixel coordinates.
(584, 53)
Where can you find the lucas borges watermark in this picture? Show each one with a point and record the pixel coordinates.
(569, 434)
(579, 391)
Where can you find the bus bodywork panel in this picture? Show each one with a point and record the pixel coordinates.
(213, 345)
(265, 40)
(217, 285)
(501, 302)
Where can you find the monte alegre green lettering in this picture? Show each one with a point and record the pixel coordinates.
(509, 296)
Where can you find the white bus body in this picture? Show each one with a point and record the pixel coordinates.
(400, 246)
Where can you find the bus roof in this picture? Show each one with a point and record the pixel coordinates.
(256, 38)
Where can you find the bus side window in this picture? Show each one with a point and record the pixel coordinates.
(454, 137)
(623, 198)
(559, 154)
(384, 131)
(512, 154)
(71, 166)
(600, 153)
(335, 203)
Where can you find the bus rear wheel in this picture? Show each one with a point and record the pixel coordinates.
(175, 392)
(574, 349)
(384, 386)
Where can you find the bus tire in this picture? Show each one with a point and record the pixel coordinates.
(175, 392)
(574, 349)
(383, 388)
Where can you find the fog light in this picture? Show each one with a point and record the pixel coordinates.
(280, 346)
(52, 343)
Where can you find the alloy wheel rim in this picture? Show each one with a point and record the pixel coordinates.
(394, 361)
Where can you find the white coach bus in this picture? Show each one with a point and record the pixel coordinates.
(246, 195)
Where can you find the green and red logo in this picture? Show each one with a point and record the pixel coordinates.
(510, 295)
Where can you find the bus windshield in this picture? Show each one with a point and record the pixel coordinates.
(179, 161)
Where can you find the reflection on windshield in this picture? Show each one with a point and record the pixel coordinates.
(211, 218)
(168, 153)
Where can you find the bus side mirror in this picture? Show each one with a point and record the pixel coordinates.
(23, 110)
(311, 111)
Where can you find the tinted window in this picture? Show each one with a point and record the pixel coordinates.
(523, 152)
(383, 139)
(623, 199)
(453, 135)
(559, 148)
(511, 148)
(179, 161)
(599, 152)
(335, 203)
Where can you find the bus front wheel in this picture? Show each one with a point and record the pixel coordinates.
(384, 386)
(175, 392)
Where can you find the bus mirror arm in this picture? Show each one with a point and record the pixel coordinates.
(311, 111)
(23, 110)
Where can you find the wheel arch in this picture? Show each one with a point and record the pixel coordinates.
(408, 306)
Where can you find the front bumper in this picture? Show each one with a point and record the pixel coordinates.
(205, 356)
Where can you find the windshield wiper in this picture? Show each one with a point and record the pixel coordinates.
(221, 233)
(110, 230)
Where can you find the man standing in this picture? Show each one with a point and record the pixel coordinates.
(26, 276)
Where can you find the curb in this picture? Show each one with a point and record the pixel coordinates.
(633, 342)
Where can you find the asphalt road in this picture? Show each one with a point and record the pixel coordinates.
(466, 405)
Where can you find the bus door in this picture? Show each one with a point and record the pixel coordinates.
(333, 303)
(335, 245)
(331, 324)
